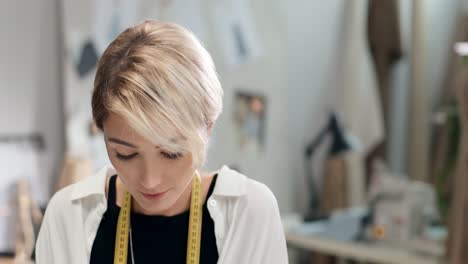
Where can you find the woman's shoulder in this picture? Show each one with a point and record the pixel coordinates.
(260, 197)
(59, 217)
(257, 196)
(64, 221)
(60, 204)
(251, 206)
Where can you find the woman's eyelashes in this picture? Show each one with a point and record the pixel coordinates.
(125, 157)
(171, 156)
(167, 155)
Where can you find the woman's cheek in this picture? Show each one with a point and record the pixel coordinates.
(125, 168)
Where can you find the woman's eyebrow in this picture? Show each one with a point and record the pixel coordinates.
(119, 141)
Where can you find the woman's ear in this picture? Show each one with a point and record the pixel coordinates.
(209, 128)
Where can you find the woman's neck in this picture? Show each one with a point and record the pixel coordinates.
(181, 205)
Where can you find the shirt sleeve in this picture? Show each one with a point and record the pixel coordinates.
(266, 227)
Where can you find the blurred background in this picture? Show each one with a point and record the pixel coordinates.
(353, 112)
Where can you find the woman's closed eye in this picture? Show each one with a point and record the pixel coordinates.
(167, 155)
(172, 156)
(125, 157)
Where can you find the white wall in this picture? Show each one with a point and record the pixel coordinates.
(266, 75)
(312, 32)
(300, 39)
(30, 91)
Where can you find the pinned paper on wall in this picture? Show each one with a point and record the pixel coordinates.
(235, 32)
(87, 60)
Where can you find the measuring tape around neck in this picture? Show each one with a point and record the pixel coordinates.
(195, 223)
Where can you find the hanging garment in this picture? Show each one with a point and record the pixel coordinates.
(361, 106)
(383, 32)
(385, 44)
(441, 156)
(458, 230)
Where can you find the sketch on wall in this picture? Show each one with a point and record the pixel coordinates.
(235, 32)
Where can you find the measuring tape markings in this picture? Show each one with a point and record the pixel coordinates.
(194, 233)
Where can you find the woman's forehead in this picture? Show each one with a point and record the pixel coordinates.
(118, 128)
(115, 126)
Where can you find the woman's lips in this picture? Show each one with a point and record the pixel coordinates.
(153, 196)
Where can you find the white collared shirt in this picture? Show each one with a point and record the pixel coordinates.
(248, 227)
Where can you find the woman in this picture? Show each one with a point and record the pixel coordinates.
(156, 99)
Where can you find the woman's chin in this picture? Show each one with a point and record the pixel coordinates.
(152, 206)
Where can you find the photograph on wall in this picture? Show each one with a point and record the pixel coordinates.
(250, 112)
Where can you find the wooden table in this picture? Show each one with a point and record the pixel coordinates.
(359, 251)
(5, 260)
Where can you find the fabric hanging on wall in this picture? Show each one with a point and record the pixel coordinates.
(383, 32)
(361, 106)
(458, 230)
(455, 183)
(440, 156)
(362, 110)
(383, 29)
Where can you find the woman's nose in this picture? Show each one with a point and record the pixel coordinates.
(151, 177)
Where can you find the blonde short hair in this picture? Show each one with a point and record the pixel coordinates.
(160, 79)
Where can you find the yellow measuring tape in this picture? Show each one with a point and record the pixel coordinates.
(195, 223)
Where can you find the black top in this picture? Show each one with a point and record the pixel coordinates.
(156, 239)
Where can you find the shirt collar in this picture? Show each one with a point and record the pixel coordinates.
(92, 185)
(229, 183)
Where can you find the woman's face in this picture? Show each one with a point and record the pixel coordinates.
(155, 178)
